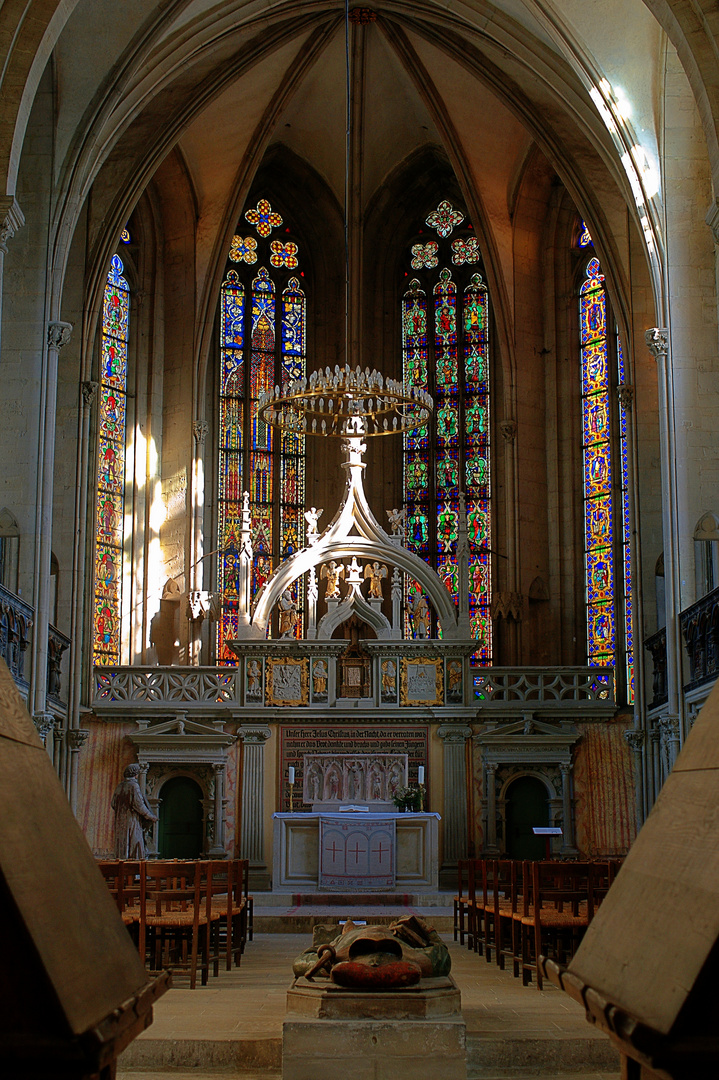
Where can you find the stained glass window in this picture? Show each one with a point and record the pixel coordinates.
(607, 555)
(585, 237)
(109, 511)
(446, 351)
(262, 344)
(626, 560)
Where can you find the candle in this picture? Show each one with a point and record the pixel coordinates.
(420, 774)
(292, 774)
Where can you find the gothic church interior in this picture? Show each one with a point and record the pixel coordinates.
(522, 223)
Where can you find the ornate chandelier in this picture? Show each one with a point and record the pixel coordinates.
(344, 403)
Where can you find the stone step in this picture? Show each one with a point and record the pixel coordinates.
(261, 1059)
(337, 899)
(178, 1073)
(300, 920)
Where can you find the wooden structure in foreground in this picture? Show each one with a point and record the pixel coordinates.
(74, 992)
(647, 971)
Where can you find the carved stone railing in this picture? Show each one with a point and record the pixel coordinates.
(123, 690)
(168, 687)
(16, 619)
(586, 686)
(657, 646)
(57, 645)
(700, 627)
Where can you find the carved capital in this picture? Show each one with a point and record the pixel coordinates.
(655, 735)
(218, 767)
(58, 335)
(635, 738)
(200, 429)
(491, 767)
(625, 393)
(565, 768)
(454, 733)
(508, 429)
(77, 737)
(657, 340)
(89, 391)
(11, 219)
(669, 727)
(254, 734)
(44, 722)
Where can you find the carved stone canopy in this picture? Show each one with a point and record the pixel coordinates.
(182, 740)
(527, 741)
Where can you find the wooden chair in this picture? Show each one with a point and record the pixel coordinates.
(229, 902)
(460, 902)
(558, 906)
(475, 913)
(499, 906)
(249, 902)
(115, 873)
(177, 926)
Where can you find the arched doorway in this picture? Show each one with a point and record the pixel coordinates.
(526, 808)
(180, 832)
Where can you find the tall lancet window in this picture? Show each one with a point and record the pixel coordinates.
(263, 321)
(445, 343)
(109, 514)
(608, 565)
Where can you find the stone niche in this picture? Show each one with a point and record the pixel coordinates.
(331, 780)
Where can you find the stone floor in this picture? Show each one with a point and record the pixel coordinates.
(233, 1026)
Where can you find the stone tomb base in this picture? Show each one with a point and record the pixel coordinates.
(336, 1034)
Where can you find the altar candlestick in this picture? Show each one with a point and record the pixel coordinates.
(420, 774)
(291, 777)
(291, 771)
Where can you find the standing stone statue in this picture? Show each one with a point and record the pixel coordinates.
(131, 810)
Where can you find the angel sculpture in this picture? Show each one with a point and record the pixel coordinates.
(397, 520)
(312, 516)
(332, 571)
(375, 573)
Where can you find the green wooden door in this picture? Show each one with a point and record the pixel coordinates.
(526, 807)
(181, 819)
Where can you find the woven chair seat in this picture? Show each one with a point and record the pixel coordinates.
(560, 919)
(175, 918)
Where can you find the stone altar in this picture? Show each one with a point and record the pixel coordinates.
(296, 860)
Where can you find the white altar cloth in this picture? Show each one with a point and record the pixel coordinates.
(296, 851)
(357, 852)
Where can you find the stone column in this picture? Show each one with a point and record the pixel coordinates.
(656, 771)
(511, 629)
(454, 818)
(312, 594)
(397, 610)
(635, 737)
(490, 787)
(657, 340)
(252, 830)
(194, 577)
(88, 393)
(57, 743)
(76, 739)
(217, 850)
(58, 335)
(568, 844)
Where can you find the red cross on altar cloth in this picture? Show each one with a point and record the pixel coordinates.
(357, 852)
